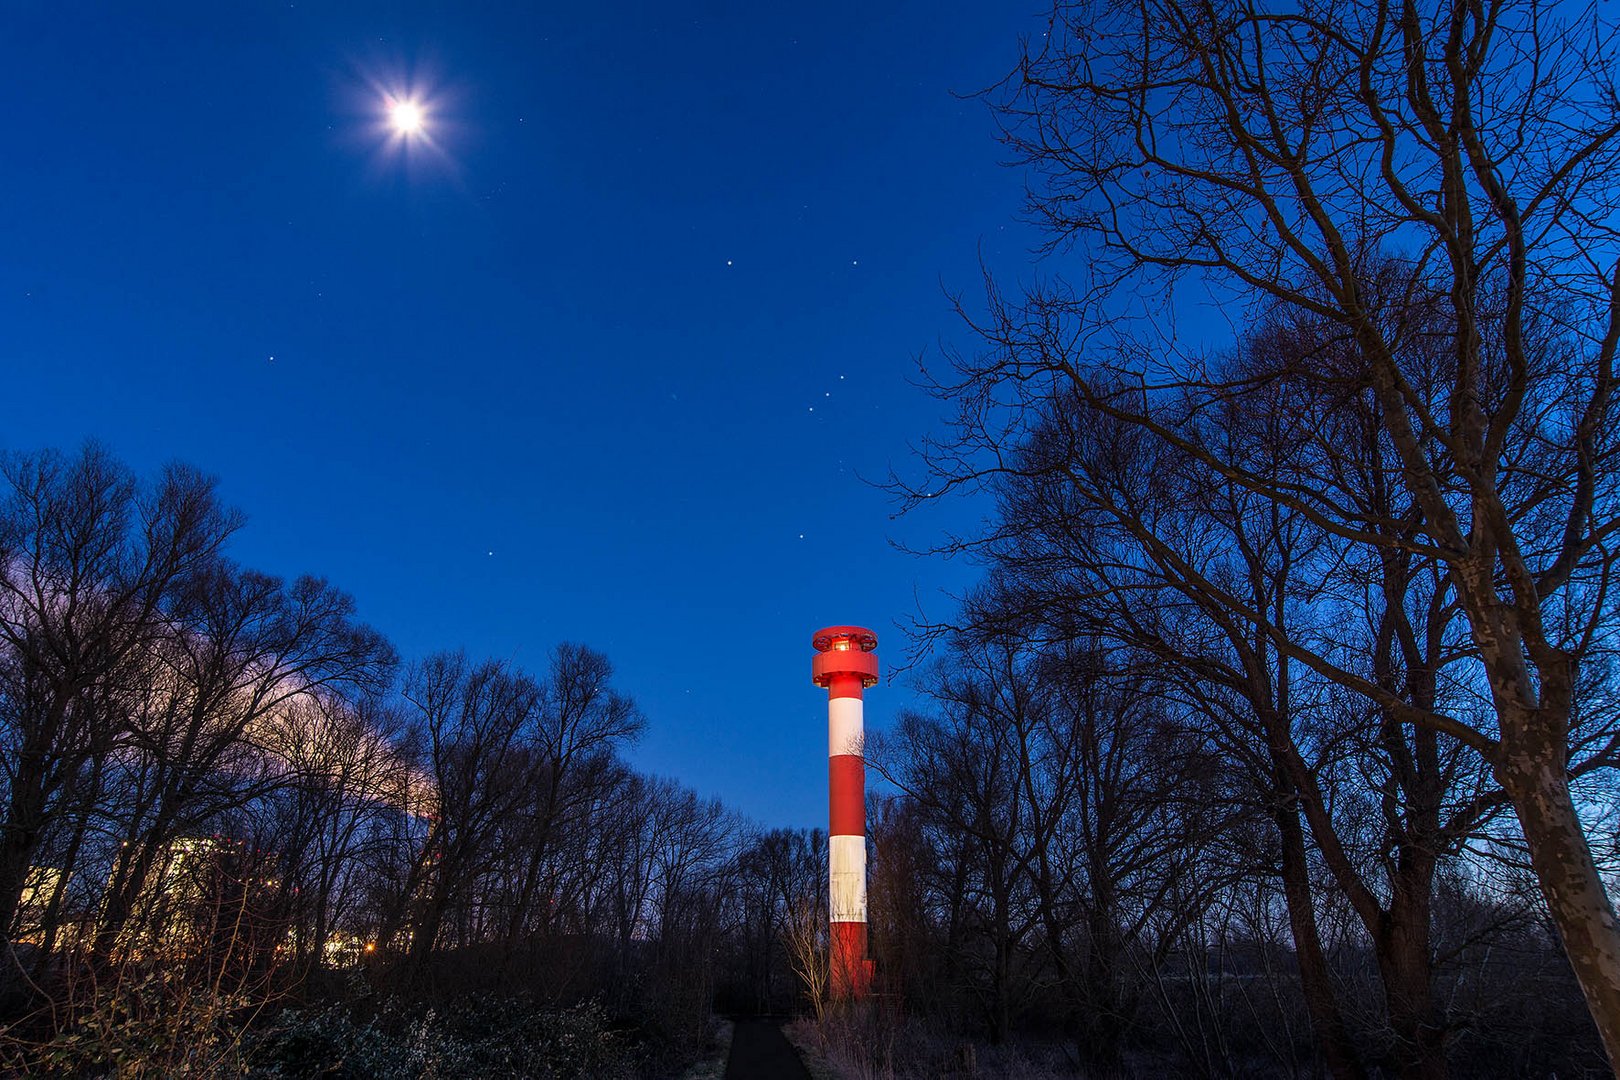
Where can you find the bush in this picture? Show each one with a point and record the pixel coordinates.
(137, 1026)
(480, 1036)
(326, 1041)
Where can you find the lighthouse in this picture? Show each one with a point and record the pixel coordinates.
(845, 666)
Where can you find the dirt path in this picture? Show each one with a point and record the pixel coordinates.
(759, 1051)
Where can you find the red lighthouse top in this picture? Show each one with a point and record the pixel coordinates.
(844, 650)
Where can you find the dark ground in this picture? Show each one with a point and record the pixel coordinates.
(759, 1051)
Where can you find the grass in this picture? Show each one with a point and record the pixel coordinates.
(809, 1040)
(713, 1064)
(860, 1047)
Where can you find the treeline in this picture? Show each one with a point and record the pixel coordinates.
(1117, 854)
(224, 795)
(1281, 735)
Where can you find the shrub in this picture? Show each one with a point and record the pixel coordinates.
(480, 1036)
(135, 1027)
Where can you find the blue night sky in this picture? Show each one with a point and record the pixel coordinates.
(606, 362)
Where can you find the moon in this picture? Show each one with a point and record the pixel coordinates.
(407, 118)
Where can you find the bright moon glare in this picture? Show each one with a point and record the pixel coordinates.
(406, 117)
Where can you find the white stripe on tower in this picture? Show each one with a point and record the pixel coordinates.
(846, 856)
(846, 733)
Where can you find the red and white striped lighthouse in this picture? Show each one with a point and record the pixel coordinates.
(844, 664)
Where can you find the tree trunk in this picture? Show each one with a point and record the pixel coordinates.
(1405, 966)
(19, 839)
(1107, 1014)
(525, 899)
(1000, 1011)
(1320, 1003)
(37, 773)
(131, 876)
(1539, 787)
(51, 922)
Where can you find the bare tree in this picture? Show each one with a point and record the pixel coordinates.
(1133, 542)
(583, 722)
(88, 560)
(342, 776)
(239, 647)
(963, 767)
(806, 938)
(479, 720)
(782, 873)
(1378, 172)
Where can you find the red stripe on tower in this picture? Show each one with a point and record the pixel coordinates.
(844, 664)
